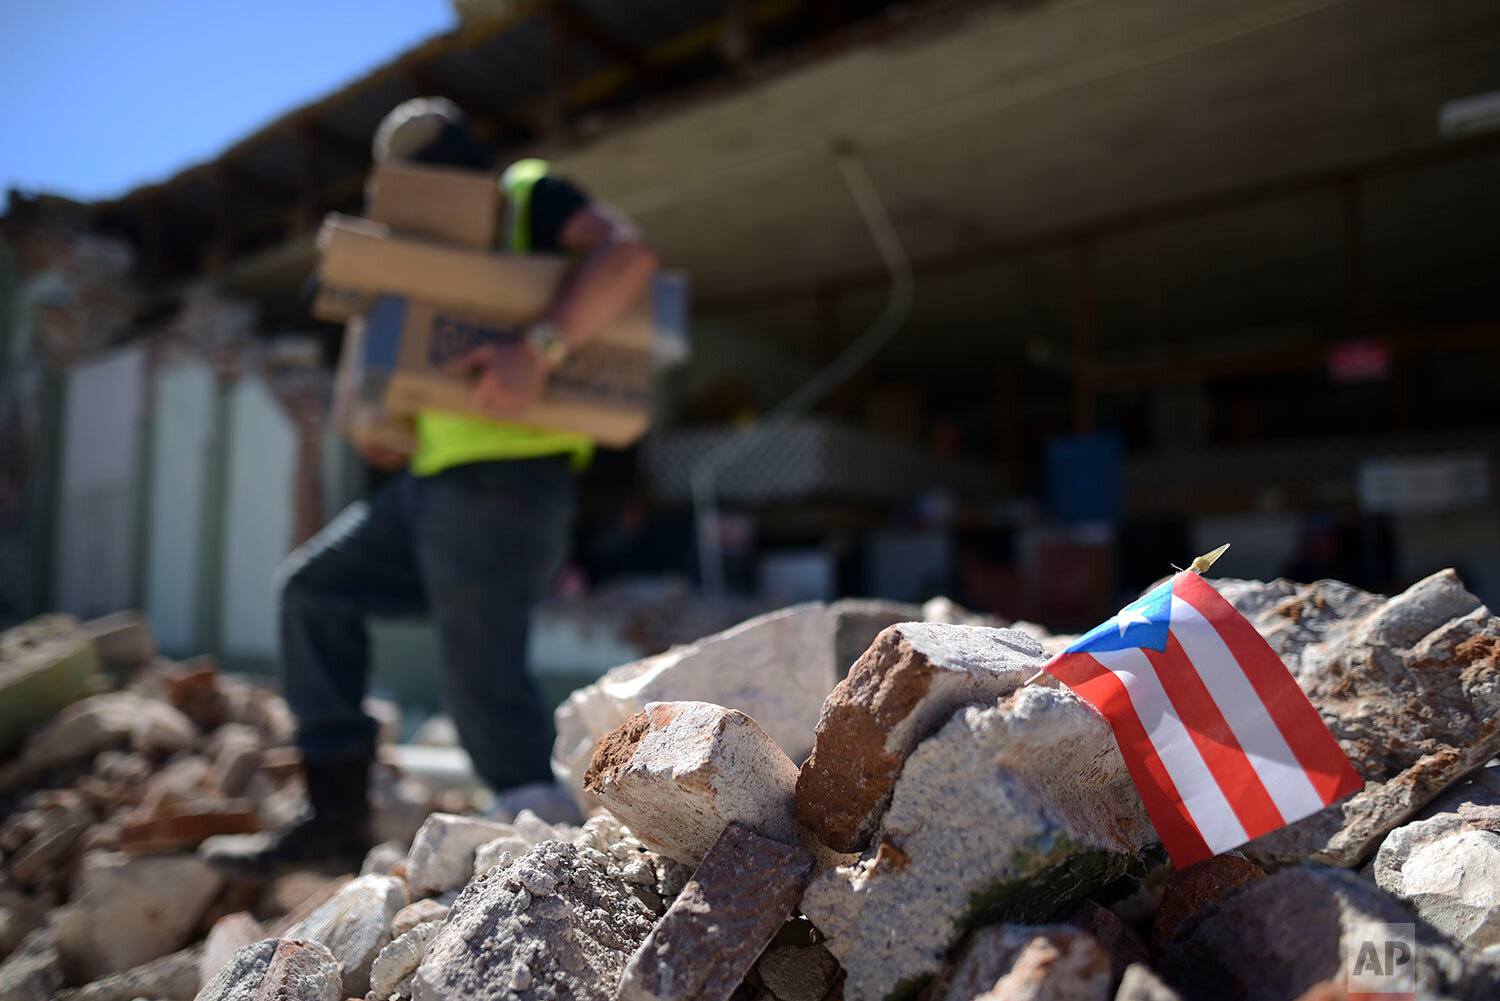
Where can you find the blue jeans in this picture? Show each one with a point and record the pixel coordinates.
(474, 546)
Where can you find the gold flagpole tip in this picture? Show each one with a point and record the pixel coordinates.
(1207, 560)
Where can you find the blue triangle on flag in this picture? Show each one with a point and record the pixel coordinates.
(1142, 623)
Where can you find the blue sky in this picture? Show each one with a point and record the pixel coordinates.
(103, 95)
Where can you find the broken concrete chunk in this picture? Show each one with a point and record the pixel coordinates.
(680, 772)
(709, 938)
(1190, 890)
(522, 834)
(48, 848)
(124, 639)
(382, 858)
(197, 689)
(1449, 872)
(19, 916)
(1140, 983)
(44, 665)
(241, 978)
(1007, 813)
(276, 969)
(1110, 931)
(235, 763)
(1409, 685)
(83, 729)
(560, 922)
(605, 834)
(904, 687)
(1041, 962)
(183, 825)
(502, 852)
(355, 926)
(161, 729)
(775, 668)
(798, 972)
(303, 970)
(296, 895)
(857, 621)
(1277, 937)
(34, 971)
(442, 854)
(419, 913)
(173, 977)
(391, 976)
(229, 935)
(128, 909)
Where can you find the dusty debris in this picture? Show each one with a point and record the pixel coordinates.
(391, 975)
(986, 813)
(559, 922)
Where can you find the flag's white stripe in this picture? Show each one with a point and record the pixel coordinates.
(1261, 740)
(1205, 802)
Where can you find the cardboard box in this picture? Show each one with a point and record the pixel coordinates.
(448, 204)
(363, 259)
(603, 391)
(359, 411)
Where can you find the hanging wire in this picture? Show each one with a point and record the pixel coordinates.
(704, 475)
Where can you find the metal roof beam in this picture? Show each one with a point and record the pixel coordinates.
(559, 73)
(477, 108)
(588, 29)
(328, 139)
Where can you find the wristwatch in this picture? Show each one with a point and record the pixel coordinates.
(544, 339)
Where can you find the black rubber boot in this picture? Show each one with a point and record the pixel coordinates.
(334, 832)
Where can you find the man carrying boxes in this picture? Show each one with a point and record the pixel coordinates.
(475, 529)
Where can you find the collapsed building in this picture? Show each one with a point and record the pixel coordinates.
(960, 827)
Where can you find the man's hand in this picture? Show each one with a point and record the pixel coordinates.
(511, 378)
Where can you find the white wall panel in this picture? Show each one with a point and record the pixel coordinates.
(100, 454)
(262, 444)
(183, 436)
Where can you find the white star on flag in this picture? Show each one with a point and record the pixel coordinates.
(1129, 616)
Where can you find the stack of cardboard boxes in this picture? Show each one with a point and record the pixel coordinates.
(418, 285)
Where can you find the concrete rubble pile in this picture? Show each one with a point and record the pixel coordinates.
(853, 802)
(115, 765)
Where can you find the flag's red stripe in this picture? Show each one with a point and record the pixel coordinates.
(1327, 766)
(1103, 689)
(1215, 741)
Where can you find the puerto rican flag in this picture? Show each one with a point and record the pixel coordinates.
(1219, 739)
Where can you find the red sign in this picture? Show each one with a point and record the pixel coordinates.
(1359, 361)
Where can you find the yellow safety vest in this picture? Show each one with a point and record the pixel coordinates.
(447, 439)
